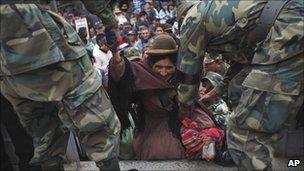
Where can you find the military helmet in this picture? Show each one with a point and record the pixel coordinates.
(214, 78)
(132, 53)
(209, 58)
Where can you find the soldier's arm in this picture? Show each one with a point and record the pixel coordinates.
(190, 56)
(233, 70)
(222, 88)
(104, 10)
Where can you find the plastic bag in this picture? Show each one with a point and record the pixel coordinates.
(126, 151)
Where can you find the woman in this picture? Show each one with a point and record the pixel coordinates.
(149, 85)
(158, 30)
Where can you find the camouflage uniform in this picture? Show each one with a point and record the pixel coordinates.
(272, 92)
(223, 65)
(132, 53)
(44, 63)
(219, 107)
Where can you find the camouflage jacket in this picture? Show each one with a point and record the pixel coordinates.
(220, 111)
(35, 37)
(222, 27)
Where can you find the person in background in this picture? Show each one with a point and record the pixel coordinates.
(168, 29)
(132, 36)
(143, 21)
(132, 54)
(127, 10)
(148, 84)
(89, 45)
(82, 32)
(163, 14)
(99, 28)
(152, 13)
(102, 54)
(120, 16)
(133, 19)
(215, 64)
(138, 5)
(158, 30)
(144, 38)
(216, 104)
(126, 27)
(171, 11)
(155, 23)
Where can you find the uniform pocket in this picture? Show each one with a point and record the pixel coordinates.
(262, 111)
(25, 43)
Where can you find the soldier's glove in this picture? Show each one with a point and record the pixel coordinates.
(112, 36)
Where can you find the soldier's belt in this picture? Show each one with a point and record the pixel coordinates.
(187, 78)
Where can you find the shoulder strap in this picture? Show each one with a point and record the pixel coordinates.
(267, 18)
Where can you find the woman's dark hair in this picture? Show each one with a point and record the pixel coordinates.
(159, 25)
(153, 59)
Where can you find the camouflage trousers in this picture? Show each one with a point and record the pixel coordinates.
(64, 95)
(262, 115)
(235, 87)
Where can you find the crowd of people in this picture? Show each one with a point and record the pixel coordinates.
(149, 80)
(142, 87)
(140, 81)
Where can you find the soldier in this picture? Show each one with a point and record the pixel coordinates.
(216, 105)
(272, 91)
(43, 63)
(215, 64)
(132, 54)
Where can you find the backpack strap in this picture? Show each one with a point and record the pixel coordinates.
(267, 18)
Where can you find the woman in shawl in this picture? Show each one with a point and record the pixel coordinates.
(149, 85)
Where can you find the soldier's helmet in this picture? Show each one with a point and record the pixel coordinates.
(209, 58)
(214, 78)
(132, 53)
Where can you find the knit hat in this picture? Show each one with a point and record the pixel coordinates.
(163, 44)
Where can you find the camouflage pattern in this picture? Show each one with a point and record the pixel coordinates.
(220, 111)
(261, 115)
(20, 40)
(219, 107)
(209, 59)
(214, 78)
(224, 68)
(132, 53)
(234, 90)
(273, 90)
(48, 77)
(223, 65)
(74, 87)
